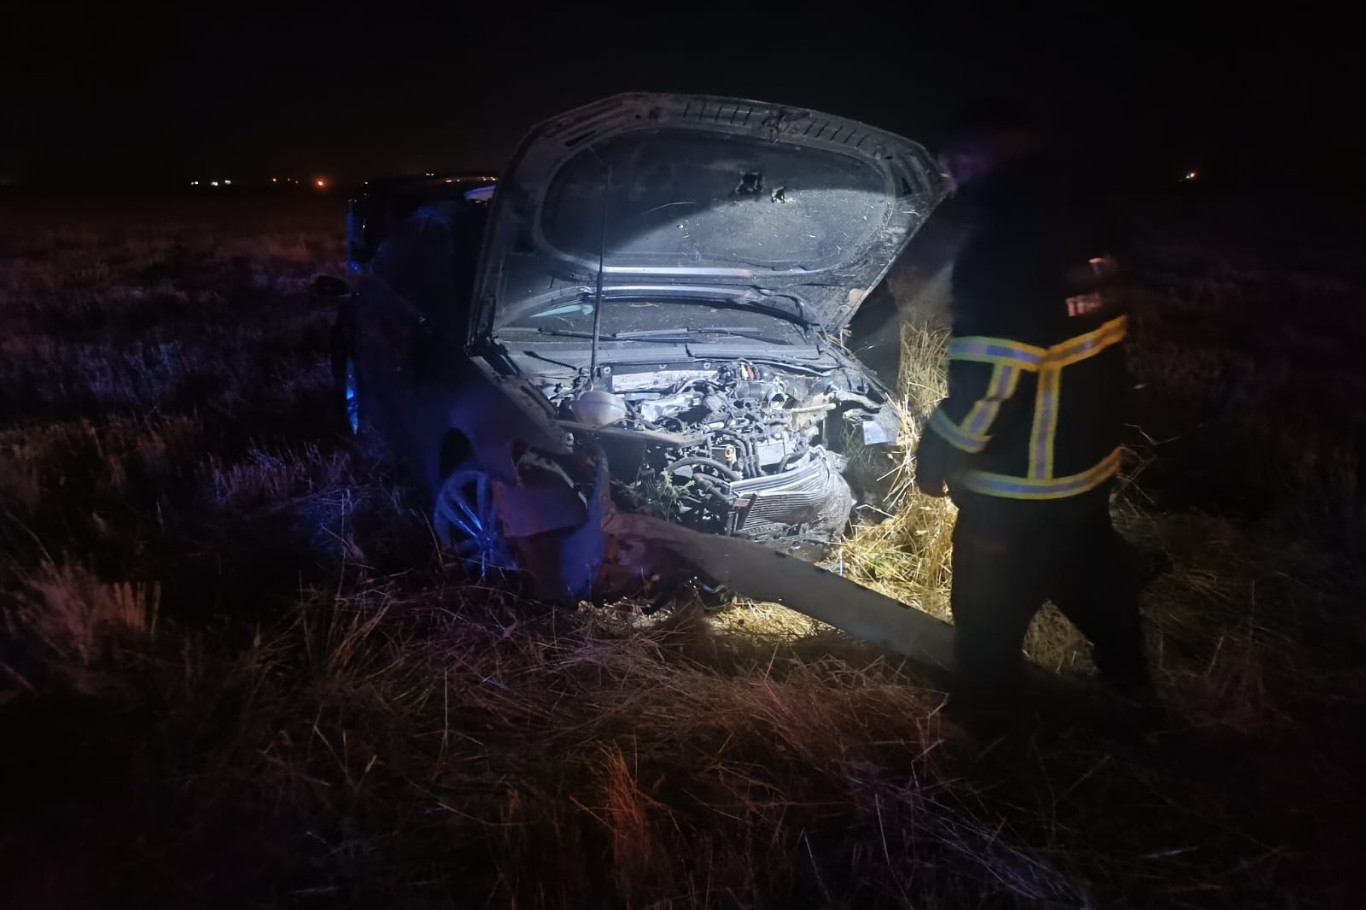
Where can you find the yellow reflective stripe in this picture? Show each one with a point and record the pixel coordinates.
(1008, 487)
(1004, 351)
(1006, 354)
(1053, 383)
(942, 424)
(1045, 427)
(997, 351)
(1004, 379)
(1083, 346)
(1009, 358)
(1044, 433)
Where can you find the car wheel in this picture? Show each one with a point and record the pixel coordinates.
(467, 523)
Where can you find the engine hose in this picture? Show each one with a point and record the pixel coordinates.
(749, 456)
(709, 486)
(715, 498)
(706, 462)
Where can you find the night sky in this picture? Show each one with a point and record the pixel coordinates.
(148, 94)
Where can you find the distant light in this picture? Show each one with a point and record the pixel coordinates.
(1190, 175)
(450, 180)
(194, 183)
(320, 183)
(274, 180)
(213, 183)
(431, 174)
(227, 183)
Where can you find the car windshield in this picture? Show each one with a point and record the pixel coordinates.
(657, 320)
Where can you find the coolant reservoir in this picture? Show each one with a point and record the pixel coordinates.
(598, 408)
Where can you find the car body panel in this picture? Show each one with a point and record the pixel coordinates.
(806, 209)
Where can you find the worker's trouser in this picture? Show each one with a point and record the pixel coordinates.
(1009, 557)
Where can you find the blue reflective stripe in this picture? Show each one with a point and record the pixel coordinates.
(1083, 346)
(996, 350)
(1028, 356)
(1009, 359)
(1005, 486)
(942, 424)
(1045, 424)
(1000, 388)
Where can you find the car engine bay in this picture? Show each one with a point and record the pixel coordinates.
(733, 448)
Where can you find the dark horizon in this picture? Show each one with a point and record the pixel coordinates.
(160, 97)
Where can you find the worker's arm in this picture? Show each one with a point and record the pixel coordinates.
(983, 375)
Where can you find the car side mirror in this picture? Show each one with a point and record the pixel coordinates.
(330, 286)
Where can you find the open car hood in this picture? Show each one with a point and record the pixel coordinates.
(777, 208)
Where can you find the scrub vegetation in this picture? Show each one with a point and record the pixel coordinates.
(236, 671)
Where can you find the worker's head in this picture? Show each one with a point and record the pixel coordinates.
(987, 134)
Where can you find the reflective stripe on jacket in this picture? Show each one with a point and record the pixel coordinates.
(1036, 422)
(1036, 369)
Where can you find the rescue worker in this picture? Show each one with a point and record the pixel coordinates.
(1027, 443)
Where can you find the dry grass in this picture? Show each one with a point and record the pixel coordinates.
(904, 550)
(74, 616)
(232, 672)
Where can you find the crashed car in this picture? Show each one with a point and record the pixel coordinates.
(642, 315)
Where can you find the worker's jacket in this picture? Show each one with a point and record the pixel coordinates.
(1036, 365)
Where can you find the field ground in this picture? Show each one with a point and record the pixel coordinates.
(235, 671)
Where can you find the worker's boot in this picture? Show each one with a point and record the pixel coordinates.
(1139, 714)
(988, 704)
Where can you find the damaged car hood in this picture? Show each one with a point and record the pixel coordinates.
(780, 209)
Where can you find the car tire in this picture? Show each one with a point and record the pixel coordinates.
(466, 521)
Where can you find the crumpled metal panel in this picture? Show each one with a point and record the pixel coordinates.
(757, 571)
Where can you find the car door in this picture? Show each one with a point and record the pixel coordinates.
(412, 317)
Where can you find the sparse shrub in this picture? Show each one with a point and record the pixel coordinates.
(78, 621)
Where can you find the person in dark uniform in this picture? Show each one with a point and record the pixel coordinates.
(1027, 443)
